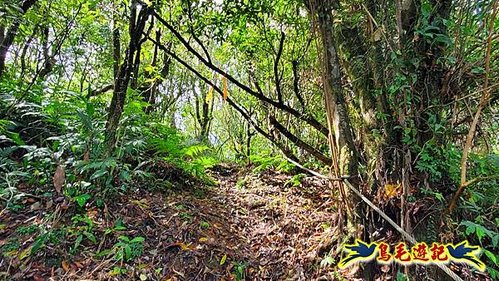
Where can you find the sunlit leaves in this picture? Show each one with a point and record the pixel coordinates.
(392, 190)
(225, 90)
(82, 199)
(209, 96)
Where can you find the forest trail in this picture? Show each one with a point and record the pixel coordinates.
(160, 140)
(285, 228)
(246, 227)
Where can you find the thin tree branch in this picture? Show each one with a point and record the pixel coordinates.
(300, 143)
(308, 119)
(483, 102)
(102, 90)
(191, 30)
(296, 83)
(233, 104)
(276, 68)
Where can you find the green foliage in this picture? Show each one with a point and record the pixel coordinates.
(327, 261)
(27, 230)
(487, 238)
(9, 247)
(430, 27)
(494, 261)
(99, 171)
(239, 270)
(192, 157)
(240, 184)
(204, 225)
(82, 228)
(265, 162)
(46, 237)
(480, 166)
(436, 195)
(82, 199)
(396, 87)
(401, 276)
(186, 216)
(295, 180)
(117, 271)
(480, 231)
(118, 226)
(127, 249)
(430, 161)
(76, 127)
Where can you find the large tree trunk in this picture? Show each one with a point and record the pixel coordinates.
(340, 137)
(343, 151)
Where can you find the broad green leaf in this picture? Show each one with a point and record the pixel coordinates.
(491, 256)
(138, 239)
(90, 237)
(82, 199)
(98, 174)
(124, 239)
(128, 252)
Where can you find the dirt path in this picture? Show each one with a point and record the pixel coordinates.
(286, 228)
(247, 227)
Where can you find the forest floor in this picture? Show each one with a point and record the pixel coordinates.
(246, 226)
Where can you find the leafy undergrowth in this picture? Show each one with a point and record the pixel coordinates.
(247, 226)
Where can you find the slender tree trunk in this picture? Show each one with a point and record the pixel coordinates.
(249, 136)
(296, 83)
(2, 33)
(9, 37)
(25, 50)
(49, 61)
(150, 91)
(137, 23)
(203, 114)
(116, 47)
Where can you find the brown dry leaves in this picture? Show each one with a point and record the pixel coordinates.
(59, 178)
